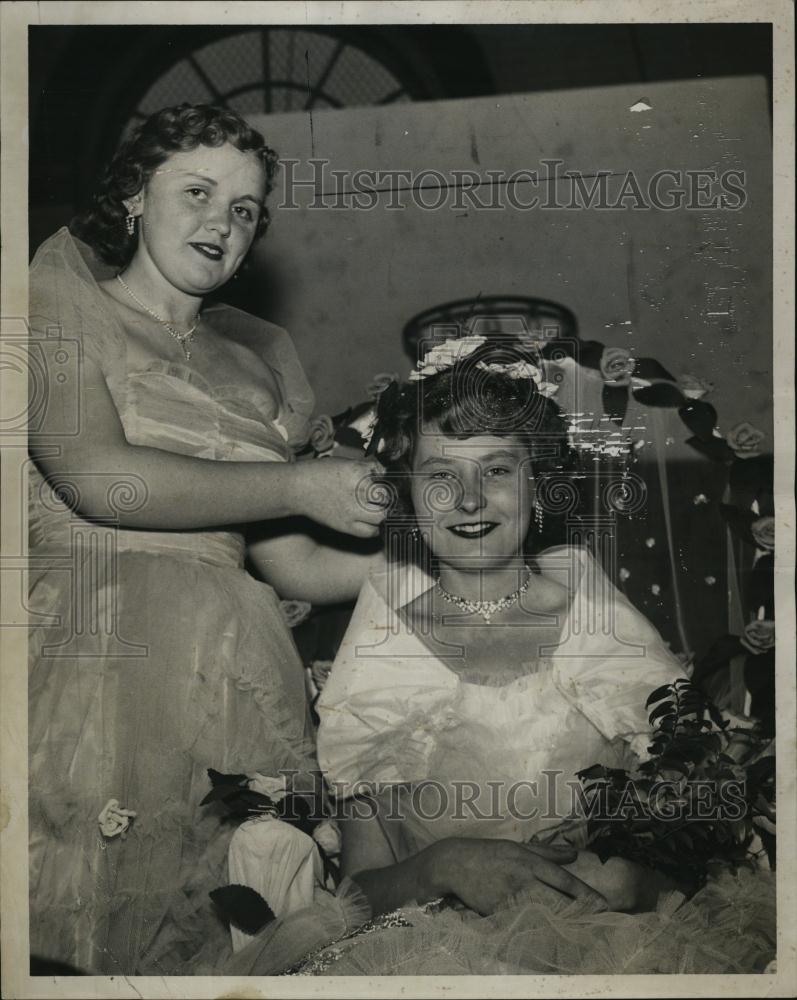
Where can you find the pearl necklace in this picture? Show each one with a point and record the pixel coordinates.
(183, 339)
(485, 608)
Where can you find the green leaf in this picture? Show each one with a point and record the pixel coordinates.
(256, 800)
(750, 478)
(217, 778)
(700, 418)
(661, 394)
(673, 764)
(590, 353)
(222, 793)
(299, 810)
(716, 449)
(649, 368)
(658, 694)
(739, 521)
(592, 772)
(761, 587)
(243, 907)
(615, 401)
(720, 652)
(666, 708)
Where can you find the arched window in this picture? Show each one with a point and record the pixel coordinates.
(276, 70)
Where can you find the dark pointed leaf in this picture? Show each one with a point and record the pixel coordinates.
(658, 694)
(761, 769)
(222, 793)
(750, 476)
(592, 772)
(590, 353)
(716, 449)
(660, 394)
(615, 401)
(739, 521)
(373, 445)
(217, 778)
(650, 368)
(718, 655)
(673, 763)
(349, 437)
(299, 811)
(243, 907)
(331, 869)
(700, 418)
(762, 585)
(665, 708)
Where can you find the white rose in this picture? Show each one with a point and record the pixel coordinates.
(759, 636)
(617, 365)
(113, 819)
(295, 612)
(763, 531)
(275, 788)
(693, 386)
(327, 834)
(445, 355)
(745, 440)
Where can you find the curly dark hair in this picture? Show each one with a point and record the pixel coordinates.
(462, 401)
(170, 130)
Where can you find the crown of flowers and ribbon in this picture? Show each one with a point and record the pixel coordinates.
(450, 352)
(445, 355)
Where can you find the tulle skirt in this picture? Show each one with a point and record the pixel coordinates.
(182, 662)
(728, 927)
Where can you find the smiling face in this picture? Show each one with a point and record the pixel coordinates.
(198, 215)
(472, 498)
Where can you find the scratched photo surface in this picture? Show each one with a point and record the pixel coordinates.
(463, 663)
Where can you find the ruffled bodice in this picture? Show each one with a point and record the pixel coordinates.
(162, 404)
(393, 713)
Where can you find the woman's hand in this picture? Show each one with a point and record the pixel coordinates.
(484, 873)
(626, 886)
(342, 494)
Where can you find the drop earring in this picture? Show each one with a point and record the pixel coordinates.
(538, 517)
(130, 224)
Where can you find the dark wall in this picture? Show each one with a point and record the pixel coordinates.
(86, 81)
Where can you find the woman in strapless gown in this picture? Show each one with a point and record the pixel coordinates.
(478, 676)
(154, 655)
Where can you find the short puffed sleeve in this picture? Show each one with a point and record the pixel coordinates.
(67, 305)
(611, 658)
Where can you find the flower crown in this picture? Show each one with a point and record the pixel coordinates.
(450, 352)
(446, 355)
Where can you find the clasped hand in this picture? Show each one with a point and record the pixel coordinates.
(484, 873)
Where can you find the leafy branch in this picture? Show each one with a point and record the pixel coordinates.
(695, 802)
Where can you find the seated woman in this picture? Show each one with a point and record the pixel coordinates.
(474, 682)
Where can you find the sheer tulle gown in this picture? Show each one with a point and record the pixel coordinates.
(396, 714)
(153, 655)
